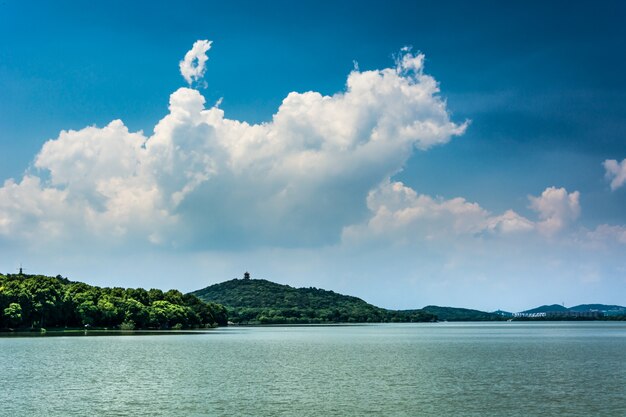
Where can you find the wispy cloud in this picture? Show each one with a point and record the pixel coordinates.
(193, 66)
(615, 172)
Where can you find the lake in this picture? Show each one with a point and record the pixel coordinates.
(440, 369)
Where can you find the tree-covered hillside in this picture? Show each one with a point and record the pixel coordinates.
(262, 301)
(36, 301)
(462, 314)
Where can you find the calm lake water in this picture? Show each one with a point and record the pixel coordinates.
(443, 369)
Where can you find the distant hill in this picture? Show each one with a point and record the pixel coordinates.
(546, 309)
(503, 313)
(265, 302)
(604, 308)
(462, 314)
(608, 310)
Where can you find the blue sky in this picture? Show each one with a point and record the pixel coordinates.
(419, 221)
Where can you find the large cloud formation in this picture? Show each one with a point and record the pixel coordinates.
(204, 180)
(318, 173)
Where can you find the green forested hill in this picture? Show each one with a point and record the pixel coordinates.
(262, 301)
(36, 301)
(462, 314)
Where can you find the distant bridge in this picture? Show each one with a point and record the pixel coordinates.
(561, 314)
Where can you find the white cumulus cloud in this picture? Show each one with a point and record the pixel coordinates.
(510, 222)
(556, 208)
(615, 172)
(193, 66)
(204, 180)
(400, 214)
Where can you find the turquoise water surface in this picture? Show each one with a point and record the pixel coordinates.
(440, 369)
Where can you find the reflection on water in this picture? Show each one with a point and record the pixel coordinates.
(443, 369)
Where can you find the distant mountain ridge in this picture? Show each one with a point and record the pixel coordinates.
(545, 309)
(259, 301)
(582, 308)
(598, 307)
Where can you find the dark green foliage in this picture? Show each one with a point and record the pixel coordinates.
(13, 314)
(35, 301)
(462, 314)
(260, 301)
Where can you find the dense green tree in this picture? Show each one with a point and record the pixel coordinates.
(88, 313)
(164, 314)
(154, 294)
(136, 312)
(173, 296)
(110, 310)
(45, 294)
(138, 294)
(13, 314)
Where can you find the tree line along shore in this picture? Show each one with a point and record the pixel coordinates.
(36, 302)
